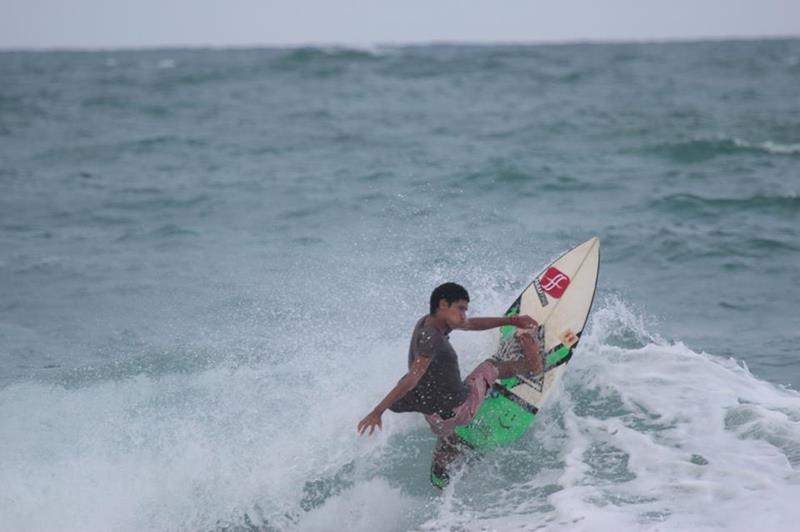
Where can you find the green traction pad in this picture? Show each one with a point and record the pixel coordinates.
(501, 420)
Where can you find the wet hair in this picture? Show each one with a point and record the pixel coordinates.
(450, 292)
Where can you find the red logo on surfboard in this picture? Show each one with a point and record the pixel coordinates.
(554, 282)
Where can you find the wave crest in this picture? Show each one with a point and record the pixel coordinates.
(701, 150)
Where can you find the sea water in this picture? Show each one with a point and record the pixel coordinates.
(211, 262)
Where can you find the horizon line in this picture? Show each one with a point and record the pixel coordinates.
(395, 44)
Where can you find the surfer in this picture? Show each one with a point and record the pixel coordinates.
(433, 384)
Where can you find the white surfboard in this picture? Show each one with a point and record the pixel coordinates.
(560, 299)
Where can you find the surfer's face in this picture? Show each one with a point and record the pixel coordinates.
(455, 314)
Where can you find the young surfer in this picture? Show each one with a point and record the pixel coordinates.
(433, 384)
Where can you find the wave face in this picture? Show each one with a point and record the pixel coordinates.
(212, 261)
(643, 433)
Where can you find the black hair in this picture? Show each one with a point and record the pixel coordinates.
(450, 292)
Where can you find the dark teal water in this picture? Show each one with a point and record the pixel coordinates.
(210, 261)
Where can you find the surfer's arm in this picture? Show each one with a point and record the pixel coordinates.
(482, 324)
(403, 386)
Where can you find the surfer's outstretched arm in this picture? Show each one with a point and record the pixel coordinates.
(482, 324)
(404, 385)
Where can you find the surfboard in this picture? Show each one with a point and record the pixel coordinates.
(560, 299)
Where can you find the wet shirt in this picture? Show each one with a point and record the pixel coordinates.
(440, 389)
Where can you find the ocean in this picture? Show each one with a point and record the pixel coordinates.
(211, 261)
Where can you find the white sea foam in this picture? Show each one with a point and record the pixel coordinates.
(692, 465)
(368, 506)
(769, 147)
(186, 451)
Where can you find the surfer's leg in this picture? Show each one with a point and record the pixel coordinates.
(479, 382)
(447, 450)
(449, 446)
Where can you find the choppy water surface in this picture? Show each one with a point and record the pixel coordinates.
(210, 263)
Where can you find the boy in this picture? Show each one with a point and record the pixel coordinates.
(433, 384)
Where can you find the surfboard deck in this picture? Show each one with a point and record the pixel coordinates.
(560, 299)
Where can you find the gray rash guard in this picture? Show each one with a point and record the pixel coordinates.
(440, 389)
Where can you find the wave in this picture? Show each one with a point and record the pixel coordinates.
(695, 205)
(323, 62)
(700, 150)
(107, 151)
(769, 147)
(653, 436)
(643, 433)
(502, 175)
(166, 64)
(726, 250)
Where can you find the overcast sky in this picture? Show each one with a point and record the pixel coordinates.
(149, 23)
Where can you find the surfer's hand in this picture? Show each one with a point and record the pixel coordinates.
(526, 322)
(372, 420)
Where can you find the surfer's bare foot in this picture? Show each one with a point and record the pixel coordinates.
(530, 349)
(531, 362)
